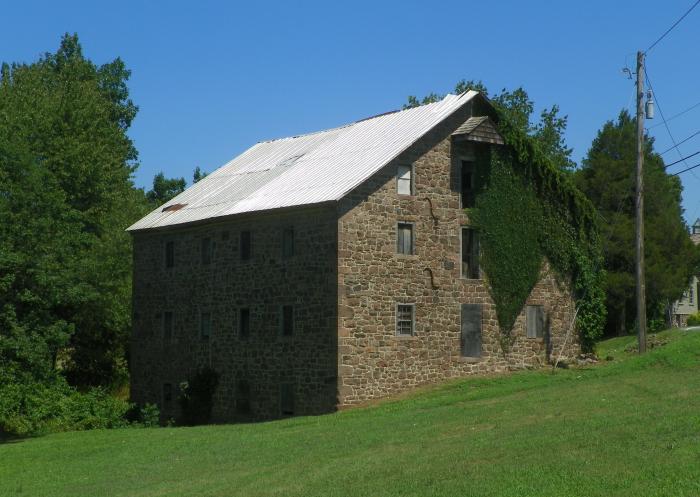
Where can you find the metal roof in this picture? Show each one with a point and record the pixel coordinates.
(301, 170)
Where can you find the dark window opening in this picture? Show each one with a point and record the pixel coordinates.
(287, 320)
(205, 325)
(167, 394)
(404, 240)
(245, 245)
(470, 254)
(170, 254)
(167, 326)
(243, 397)
(225, 235)
(471, 330)
(468, 184)
(244, 323)
(405, 319)
(288, 242)
(206, 250)
(287, 400)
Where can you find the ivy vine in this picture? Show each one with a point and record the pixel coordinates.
(529, 210)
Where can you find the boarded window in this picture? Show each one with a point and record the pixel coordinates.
(287, 399)
(167, 326)
(404, 180)
(405, 317)
(206, 250)
(404, 239)
(170, 254)
(287, 320)
(288, 242)
(242, 397)
(471, 330)
(245, 245)
(470, 254)
(468, 184)
(535, 321)
(690, 294)
(205, 325)
(244, 323)
(167, 395)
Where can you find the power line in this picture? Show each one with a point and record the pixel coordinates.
(680, 142)
(665, 122)
(677, 115)
(686, 170)
(682, 159)
(674, 25)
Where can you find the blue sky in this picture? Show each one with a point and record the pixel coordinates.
(213, 78)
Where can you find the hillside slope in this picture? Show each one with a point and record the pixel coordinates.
(627, 428)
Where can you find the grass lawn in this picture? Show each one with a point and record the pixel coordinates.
(628, 427)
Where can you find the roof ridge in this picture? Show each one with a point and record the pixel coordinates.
(376, 116)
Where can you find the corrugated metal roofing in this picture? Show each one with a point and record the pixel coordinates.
(307, 169)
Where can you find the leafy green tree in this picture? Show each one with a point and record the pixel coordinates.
(198, 174)
(165, 189)
(66, 195)
(517, 107)
(607, 177)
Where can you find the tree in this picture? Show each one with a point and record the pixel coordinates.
(517, 107)
(165, 189)
(607, 177)
(66, 195)
(198, 174)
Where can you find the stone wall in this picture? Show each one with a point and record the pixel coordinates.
(372, 360)
(265, 360)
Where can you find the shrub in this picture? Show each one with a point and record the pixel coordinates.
(28, 407)
(694, 319)
(196, 397)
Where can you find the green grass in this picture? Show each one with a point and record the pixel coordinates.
(627, 427)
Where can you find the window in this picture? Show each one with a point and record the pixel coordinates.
(206, 250)
(242, 397)
(244, 323)
(404, 239)
(535, 321)
(205, 325)
(167, 394)
(167, 326)
(405, 317)
(468, 190)
(470, 254)
(471, 330)
(287, 399)
(404, 180)
(170, 254)
(245, 245)
(288, 242)
(287, 320)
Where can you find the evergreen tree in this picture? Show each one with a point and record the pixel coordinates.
(607, 177)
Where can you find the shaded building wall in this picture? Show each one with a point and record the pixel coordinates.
(372, 278)
(252, 370)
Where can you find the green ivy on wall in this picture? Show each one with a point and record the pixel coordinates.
(527, 211)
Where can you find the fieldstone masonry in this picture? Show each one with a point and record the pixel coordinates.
(344, 282)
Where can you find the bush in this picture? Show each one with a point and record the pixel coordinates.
(694, 319)
(196, 397)
(28, 407)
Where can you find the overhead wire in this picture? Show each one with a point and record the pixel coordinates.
(680, 142)
(673, 25)
(677, 115)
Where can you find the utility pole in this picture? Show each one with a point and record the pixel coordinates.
(639, 207)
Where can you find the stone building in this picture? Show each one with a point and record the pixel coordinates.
(688, 303)
(325, 270)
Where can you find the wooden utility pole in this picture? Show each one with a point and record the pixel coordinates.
(639, 207)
